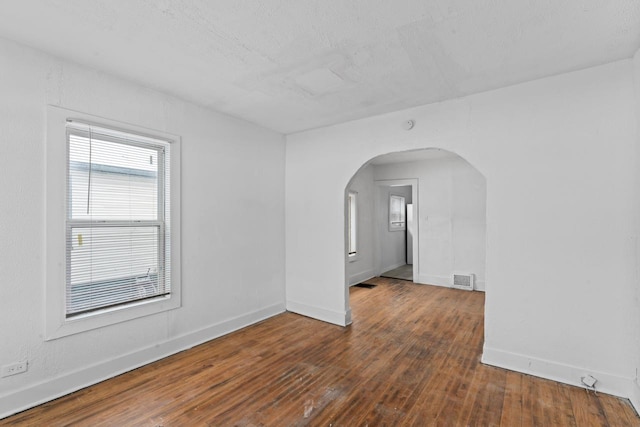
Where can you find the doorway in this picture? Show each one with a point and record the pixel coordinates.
(448, 238)
(396, 233)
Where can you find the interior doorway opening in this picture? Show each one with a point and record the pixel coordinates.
(446, 197)
(396, 235)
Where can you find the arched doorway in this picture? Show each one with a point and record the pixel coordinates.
(449, 205)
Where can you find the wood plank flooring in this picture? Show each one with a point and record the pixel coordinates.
(411, 357)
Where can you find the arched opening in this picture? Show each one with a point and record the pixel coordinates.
(445, 245)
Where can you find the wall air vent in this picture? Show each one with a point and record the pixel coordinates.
(463, 281)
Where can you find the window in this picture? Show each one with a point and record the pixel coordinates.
(396, 213)
(117, 219)
(351, 220)
(120, 240)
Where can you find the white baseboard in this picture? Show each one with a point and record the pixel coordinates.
(607, 383)
(392, 267)
(340, 318)
(634, 396)
(361, 277)
(445, 281)
(427, 279)
(347, 317)
(45, 391)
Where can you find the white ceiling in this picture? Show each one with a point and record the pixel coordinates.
(413, 156)
(292, 65)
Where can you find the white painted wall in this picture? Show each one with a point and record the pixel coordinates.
(558, 158)
(391, 244)
(452, 220)
(635, 320)
(361, 266)
(232, 226)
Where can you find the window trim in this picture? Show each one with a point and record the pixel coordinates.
(56, 322)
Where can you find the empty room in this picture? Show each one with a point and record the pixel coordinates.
(344, 213)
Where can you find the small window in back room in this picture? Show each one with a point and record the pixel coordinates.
(352, 220)
(396, 213)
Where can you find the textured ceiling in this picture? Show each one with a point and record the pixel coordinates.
(292, 65)
(413, 156)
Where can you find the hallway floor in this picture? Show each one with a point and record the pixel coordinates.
(404, 272)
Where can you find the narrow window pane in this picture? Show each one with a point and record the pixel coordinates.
(112, 265)
(352, 218)
(112, 181)
(396, 213)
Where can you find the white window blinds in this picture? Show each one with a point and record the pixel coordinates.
(118, 242)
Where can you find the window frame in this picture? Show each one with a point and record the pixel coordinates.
(352, 222)
(81, 133)
(397, 225)
(57, 324)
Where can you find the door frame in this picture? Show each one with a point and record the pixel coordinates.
(413, 182)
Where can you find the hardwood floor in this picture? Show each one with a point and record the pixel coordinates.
(411, 357)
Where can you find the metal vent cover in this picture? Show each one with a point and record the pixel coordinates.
(463, 281)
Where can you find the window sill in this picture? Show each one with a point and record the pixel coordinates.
(84, 322)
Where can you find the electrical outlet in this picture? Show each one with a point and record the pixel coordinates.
(14, 368)
(589, 381)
